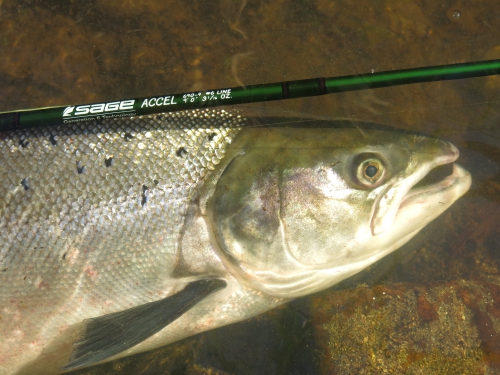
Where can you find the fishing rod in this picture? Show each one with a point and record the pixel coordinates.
(40, 117)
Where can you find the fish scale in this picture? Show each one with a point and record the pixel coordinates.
(80, 232)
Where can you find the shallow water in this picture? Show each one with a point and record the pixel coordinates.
(431, 307)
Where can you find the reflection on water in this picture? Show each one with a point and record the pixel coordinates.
(431, 307)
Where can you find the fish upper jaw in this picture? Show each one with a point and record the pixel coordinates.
(391, 198)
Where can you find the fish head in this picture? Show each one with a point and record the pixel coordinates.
(296, 210)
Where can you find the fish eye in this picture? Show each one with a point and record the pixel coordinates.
(370, 171)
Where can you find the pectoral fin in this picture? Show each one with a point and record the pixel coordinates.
(108, 335)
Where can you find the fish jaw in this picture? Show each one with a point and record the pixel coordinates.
(419, 207)
(389, 201)
(415, 209)
(424, 204)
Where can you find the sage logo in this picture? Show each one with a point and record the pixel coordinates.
(68, 110)
(95, 109)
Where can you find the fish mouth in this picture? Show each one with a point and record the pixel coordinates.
(436, 192)
(423, 196)
(435, 178)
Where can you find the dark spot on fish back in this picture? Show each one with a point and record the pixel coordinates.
(24, 143)
(144, 195)
(108, 161)
(64, 256)
(5, 269)
(156, 182)
(24, 183)
(211, 136)
(128, 137)
(181, 152)
(53, 140)
(79, 167)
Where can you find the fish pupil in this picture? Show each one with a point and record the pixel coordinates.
(371, 171)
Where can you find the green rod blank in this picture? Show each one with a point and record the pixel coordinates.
(40, 117)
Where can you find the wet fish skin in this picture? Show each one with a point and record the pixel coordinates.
(72, 231)
(277, 213)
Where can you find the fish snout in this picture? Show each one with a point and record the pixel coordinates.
(447, 154)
